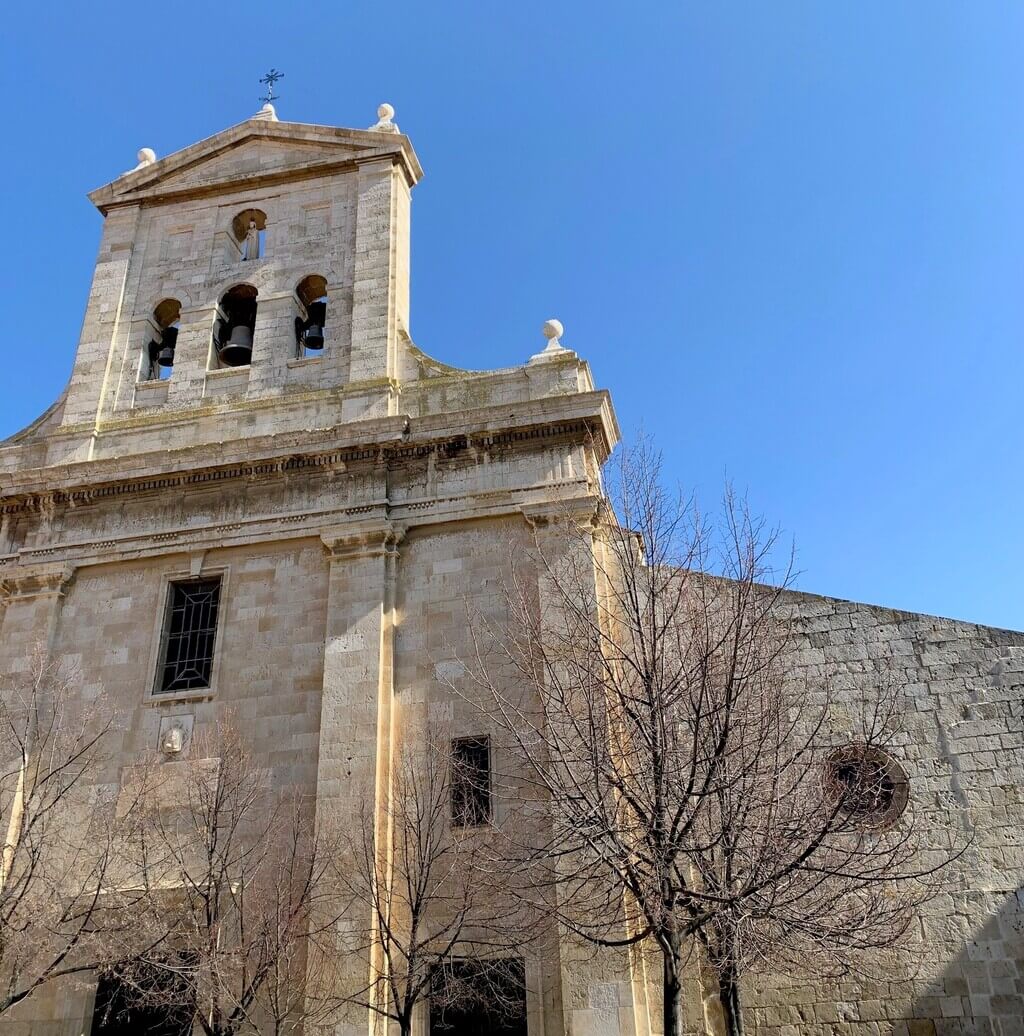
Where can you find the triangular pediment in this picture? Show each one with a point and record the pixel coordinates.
(252, 152)
(255, 156)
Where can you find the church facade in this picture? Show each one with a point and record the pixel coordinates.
(254, 462)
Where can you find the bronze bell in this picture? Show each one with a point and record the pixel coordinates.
(313, 337)
(165, 357)
(237, 350)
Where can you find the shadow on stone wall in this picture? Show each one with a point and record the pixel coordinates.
(982, 992)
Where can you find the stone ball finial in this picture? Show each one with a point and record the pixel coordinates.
(385, 113)
(553, 330)
(146, 156)
(268, 113)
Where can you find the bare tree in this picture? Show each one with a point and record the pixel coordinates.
(427, 918)
(702, 794)
(237, 871)
(62, 839)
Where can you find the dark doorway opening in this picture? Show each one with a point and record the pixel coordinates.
(117, 1014)
(477, 998)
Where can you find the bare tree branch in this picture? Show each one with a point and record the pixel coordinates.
(702, 793)
(237, 872)
(431, 902)
(59, 914)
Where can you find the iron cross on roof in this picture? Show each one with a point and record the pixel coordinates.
(269, 80)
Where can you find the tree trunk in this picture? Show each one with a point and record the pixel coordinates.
(672, 997)
(729, 993)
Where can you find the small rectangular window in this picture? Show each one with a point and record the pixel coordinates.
(471, 781)
(189, 632)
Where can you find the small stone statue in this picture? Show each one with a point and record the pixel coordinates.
(252, 242)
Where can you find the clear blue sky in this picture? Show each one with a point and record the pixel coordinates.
(789, 237)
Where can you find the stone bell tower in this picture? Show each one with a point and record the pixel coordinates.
(240, 235)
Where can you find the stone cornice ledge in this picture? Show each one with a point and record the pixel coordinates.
(386, 438)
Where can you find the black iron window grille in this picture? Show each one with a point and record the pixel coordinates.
(191, 627)
(471, 781)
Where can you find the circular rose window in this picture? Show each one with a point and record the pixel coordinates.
(868, 785)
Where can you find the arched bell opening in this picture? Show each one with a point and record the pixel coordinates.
(235, 325)
(312, 318)
(250, 230)
(160, 350)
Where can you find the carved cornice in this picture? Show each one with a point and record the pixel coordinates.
(35, 581)
(305, 523)
(392, 444)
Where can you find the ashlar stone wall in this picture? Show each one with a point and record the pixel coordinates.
(961, 971)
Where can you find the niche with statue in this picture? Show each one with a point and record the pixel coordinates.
(250, 232)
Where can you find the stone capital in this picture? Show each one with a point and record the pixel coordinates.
(375, 539)
(583, 511)
(36, 581)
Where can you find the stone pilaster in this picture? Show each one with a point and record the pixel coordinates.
(98, 364)
(604, 993)
(274, 343)
(30, 602)
(357, 718)
(192, 353)
(381, 288)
